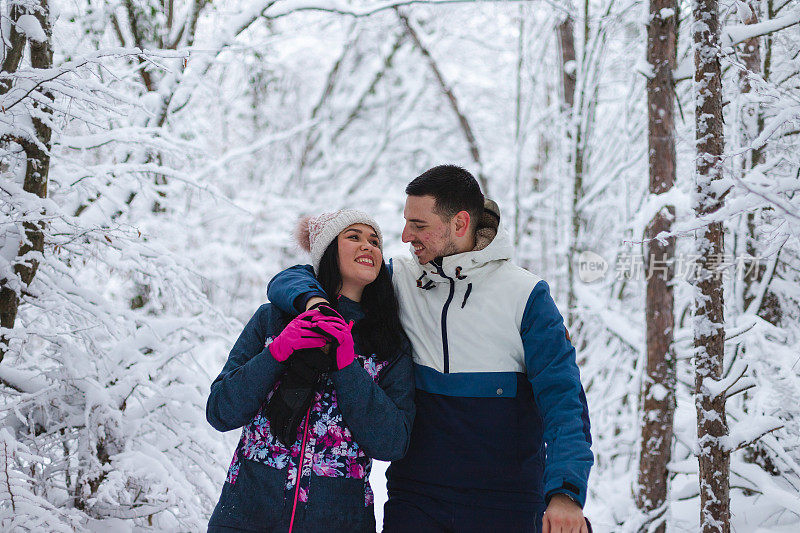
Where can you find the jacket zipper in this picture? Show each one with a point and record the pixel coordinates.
(299, 469)
(445, 350)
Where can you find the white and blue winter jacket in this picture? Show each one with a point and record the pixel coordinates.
(495, 374)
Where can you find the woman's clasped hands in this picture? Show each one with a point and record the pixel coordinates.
(316, 328)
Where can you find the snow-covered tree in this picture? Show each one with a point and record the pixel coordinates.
(186, 137)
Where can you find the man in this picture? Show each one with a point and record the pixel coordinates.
(495, 375)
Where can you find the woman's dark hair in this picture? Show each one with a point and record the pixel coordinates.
(380, 331)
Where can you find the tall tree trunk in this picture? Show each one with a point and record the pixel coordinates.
(13, 47)
(569, 68)
(37, 169)
(518, 129)
(709, 334)
(658, 388)
(752, 125)
(566, 40)
(13, 50)
(575, 98)
(546, 226)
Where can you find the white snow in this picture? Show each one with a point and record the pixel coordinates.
(30, 27)
(160, 235)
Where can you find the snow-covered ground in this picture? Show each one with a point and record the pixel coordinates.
(378, 481)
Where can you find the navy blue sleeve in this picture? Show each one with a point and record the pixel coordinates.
(290, 289)
(248, 375)
(555, 379)
(380, 415)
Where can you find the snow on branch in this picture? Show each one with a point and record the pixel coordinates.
(771, 442)
(615, 322)
(31, 79)
(345, 8)
(749, 430)
(447, 89)
(733, 35)
(28, 511)
(722, 386)
(29, 25)
(23, 381)
(777, 494)
(739, 33)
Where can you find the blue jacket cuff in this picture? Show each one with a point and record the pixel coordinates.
(301, 301)
(576, 492)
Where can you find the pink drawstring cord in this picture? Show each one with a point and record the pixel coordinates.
(299, 469)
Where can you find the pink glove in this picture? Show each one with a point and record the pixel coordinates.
(341, 332)
(297, 335)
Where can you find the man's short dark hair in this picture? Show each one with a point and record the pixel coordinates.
(453, 188)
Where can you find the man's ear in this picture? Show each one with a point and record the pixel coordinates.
(461, 221)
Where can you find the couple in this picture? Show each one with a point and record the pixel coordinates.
(455, 365)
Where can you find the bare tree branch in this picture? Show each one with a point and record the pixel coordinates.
(451, 98)
(387, 64)
(118, 29)
(312, 136)
(133, 24)
(288, 9)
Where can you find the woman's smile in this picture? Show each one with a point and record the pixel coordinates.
(365, 260)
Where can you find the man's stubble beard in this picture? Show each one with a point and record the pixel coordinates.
(450, 247)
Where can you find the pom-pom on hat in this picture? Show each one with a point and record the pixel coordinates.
(314, 234)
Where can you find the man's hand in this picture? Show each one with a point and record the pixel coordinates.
(563, 516)
(314, 301)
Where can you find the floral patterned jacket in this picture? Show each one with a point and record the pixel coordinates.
(360, 412)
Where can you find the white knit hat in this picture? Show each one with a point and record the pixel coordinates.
(314, 234)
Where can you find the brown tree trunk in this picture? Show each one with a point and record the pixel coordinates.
(36, 173)
(569, 68)
(518, 128)
(753, 125)
(15, 47)
(657, 399)
(566, 39)
(709, 333)
(750, 55)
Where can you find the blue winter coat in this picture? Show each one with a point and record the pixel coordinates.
(361, 412)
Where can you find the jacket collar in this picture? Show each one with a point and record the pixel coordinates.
(493, 245)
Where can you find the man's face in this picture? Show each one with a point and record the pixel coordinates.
(426, 231)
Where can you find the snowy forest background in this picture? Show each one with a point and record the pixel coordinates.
(156, 154)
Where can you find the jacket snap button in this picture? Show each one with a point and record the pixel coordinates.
(499, 392)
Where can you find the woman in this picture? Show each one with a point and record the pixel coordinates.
(361, 406)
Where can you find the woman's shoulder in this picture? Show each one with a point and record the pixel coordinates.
(270, 317)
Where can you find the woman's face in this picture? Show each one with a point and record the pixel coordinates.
(360, 255)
